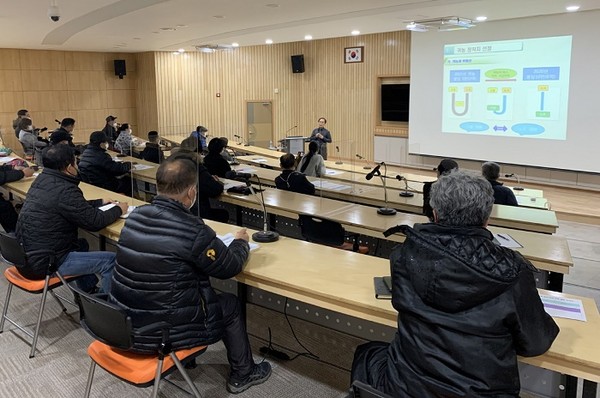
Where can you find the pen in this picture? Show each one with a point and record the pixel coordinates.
(502, 237)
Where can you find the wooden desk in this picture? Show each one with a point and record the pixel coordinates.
(548, 253)
(345, 285)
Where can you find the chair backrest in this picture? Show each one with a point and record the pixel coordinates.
(321, 230)
(104, 321)
(362, 390)
(11, 250)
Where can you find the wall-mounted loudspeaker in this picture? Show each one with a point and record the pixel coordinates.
(298, 63)
(120, 69)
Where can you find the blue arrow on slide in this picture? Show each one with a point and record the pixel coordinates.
(541, 101)
(503, 128)
(503, 106)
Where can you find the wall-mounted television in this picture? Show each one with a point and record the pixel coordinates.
(395, 99)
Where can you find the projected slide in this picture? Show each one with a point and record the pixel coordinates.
(512, 88)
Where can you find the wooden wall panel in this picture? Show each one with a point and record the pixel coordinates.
(58, 84)
(187, 87)
(147, 115)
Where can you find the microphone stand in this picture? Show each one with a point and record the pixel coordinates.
(385, 211)
(367, 166)
(240, 139)
(405, 193)
(517, 188)
(339, 161)
(264, 236)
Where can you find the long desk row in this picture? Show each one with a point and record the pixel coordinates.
(342, 281)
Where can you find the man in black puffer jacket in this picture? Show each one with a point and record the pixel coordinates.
(165, 257)
(51, 215)
(466, 306)
(98, 168)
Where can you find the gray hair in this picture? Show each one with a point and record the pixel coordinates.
(490, 170)
(462, 199)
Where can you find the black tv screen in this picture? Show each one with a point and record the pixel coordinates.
(395, 99)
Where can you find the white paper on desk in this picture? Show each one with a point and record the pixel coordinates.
(5, 159)
(259, 160)
(322, 184)
(506, 240)
(111, 205)
(562, 307)
(142, 167)
(249, 170)
(231, 184)
(116, 159)
(331, 172)
(228, 238)
(37, 173)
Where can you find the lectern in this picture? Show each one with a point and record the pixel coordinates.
(294, 144)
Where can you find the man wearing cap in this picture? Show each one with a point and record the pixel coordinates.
(110, 129)
(97, 167)
(445, 166)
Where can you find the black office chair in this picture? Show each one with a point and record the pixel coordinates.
(327, 232)
(362, 390)
(111, 328)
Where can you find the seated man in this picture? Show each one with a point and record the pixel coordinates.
(53, 211)
(164, 260)
(196, 142)
(445, 166)
(214, 162)
(466, 306)
(292, 180)
(98, 168)
(502, 194)
(152, 152)
(228, 156)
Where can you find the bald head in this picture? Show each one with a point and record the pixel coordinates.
(175, 176)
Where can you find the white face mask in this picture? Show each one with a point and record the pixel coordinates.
(29, 128)
(194, 200)
(104, 145)
(114, 124)
(130, 131)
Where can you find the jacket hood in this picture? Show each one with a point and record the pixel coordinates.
(453, 269)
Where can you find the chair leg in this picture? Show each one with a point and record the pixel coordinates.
(185, 375)
(39, 320)
(5, 309)
(64, 309)
(88, 386)
(157, 378)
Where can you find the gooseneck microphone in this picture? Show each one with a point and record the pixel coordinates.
(374, 172)
(384, 211)
(264, 236)
(405, 193)
(518, 187)
(290, 129)
(366, 166)
(339, 161)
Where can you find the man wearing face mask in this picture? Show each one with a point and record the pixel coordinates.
(98, 168)
(53, 211)
(110, 129)
(170, 281)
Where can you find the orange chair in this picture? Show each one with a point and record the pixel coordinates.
(13, 253)
(111, 327)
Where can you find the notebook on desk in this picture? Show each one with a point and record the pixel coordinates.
(383, 287)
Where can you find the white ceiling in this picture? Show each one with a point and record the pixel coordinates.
(137, 25)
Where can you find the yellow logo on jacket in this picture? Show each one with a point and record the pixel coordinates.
(211, 253)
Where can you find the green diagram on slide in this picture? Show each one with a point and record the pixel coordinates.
(510, 88)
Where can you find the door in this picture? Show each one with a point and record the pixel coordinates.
(259, 122)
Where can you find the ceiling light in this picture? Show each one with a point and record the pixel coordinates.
(308, 37)
(181, 50)
(235, 44)
(175, 53)
(269, 41)
(444, 24)
(572, 8)
(415, 27)
(481, 18)
(211, 48)
(355, 32)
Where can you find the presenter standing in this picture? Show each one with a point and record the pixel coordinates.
(321, 136)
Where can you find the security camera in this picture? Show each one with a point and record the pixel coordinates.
(54, 13)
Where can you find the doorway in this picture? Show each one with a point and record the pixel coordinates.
(259, 122)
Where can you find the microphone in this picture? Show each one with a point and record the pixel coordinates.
(339, 161)
(290, 129)
(57, 121)
(374, 172)
(264, 236)
(366, 167)
(384, 211)
(405, 193)
(517, 188)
